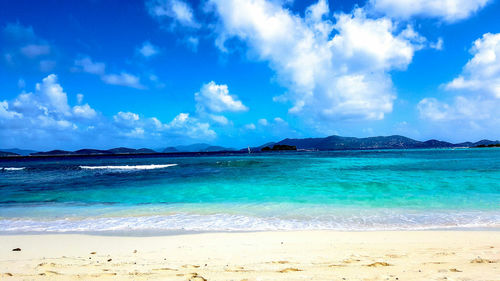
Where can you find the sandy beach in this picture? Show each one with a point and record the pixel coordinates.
(303, 255)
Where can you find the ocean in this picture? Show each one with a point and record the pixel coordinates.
(338, 190)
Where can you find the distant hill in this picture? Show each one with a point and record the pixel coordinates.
(170, 149)
(197, 147)
(215, 148)
(382, 142)
(22, 152)
(7, 153)
(119, 150)
(125, 150)
(52, 152)
(258, 148)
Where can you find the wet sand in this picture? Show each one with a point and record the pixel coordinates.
(302, 255)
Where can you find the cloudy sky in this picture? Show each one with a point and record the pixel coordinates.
(155, 73)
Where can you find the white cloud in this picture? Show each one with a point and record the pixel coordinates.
(45, 119)
(335, 68)
(179, 12)
(447, 10)
(482, 72)
(148, 50)
(84, 111)
(98, 68)
(263, 122)
(250, 126)
(52, 95)
(87, 65)
(187, 126)
(438, 45)
(279, 120)
(35, 50)
(477, 89)
(123, 79)
(45, 112)
(126, 117)
(220, 119)
(5, 113)
(216, 98)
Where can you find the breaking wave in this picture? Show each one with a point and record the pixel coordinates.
(12, 168)
(237, 222)
(127, 167)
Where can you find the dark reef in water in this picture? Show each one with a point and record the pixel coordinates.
(488, 145)
(278, 147)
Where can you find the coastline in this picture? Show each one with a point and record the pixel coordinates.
(283, 255)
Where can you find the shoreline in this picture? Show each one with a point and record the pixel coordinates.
(167, 233)
(283, 255)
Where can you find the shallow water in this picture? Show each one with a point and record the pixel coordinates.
(347, 190)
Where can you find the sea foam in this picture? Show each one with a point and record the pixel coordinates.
(127, 167)
(12, 168)
(234, 222)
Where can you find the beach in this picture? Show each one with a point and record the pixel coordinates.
(278, 255)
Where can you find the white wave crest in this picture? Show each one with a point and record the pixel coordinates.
(127, 167)
(12, 168)
(228, 222)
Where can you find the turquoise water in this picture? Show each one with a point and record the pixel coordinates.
(348, 190)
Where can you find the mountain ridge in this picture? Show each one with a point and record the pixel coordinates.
(380, 142)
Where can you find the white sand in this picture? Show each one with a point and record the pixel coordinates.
(304, 255)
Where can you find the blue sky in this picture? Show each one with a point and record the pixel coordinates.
(157, 73)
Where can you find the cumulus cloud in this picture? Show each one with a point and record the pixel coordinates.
(52, 94)
(148, 50)
(177, 12)
(334, 67)
(5, 113)
(449, 10)
(185, 125)
(126, 118)
(482, 72)
(45, 116)
(476, 89)
(216, 98)
(40, 114)
(84, 111)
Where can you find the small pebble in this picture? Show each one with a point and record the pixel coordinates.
(16, 249)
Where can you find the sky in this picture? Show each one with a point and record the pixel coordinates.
(237, 73)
